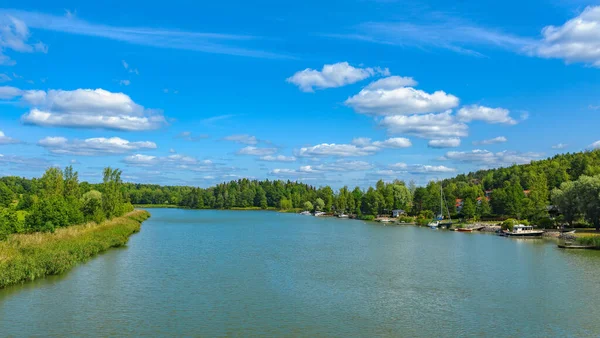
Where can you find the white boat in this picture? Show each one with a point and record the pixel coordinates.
(434, 224)
(342, 215)
(305, 213)
(385, 220)
(320, 213)
(521, 230)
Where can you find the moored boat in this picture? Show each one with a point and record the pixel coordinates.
(305, 213)
(521, 230)
(464, 230)
(342, 215)
(320, 213)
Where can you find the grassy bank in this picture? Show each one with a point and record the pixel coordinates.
(589, 239)
(161, 206)
(27, 257)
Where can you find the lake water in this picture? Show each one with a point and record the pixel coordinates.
(228, 273)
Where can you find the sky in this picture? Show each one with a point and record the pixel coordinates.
(328, 93)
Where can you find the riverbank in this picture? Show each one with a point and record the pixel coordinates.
(26, 257)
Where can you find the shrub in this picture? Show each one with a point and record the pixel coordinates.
(509, 224)
(367, 217)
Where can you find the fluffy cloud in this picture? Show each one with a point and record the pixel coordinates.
(278, 158)
(499, 139)
(577, 40)
(339, 150)
(322, 169)
(392, 82)
(84, 108)
(331, 76)
(489, 158)
(452, 142)
(486, 114)
(14, 35)
(392, 97)
(244, 139)
(7, 140)
(93, 146)
(255, 151)
(394, 142)
(9, 93)
(559, 146)
(432, 126)
(594, 145)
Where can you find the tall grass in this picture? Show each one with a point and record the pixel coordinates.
(593, 240)
(26, 257)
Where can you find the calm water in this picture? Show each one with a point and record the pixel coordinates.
(227, 273)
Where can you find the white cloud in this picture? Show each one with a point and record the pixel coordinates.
(339, 150)
(7, 140)
(486, 114)
(322, 169)
(9, 93)
(229, 44)
(278, 158)
(124, 82)
(400, 169)
(488, 158)
(559, 146)
(392, 82)
(244, 139)
(93, 146)
(499, 139)
(4, 78)
(594, 145)
(254, 151)
(432, 126)
(400, 101)
(577, 40)
(452, 142)
(361, 141)
(394, 142)
(187, 135)
(14, 35)
(84, 108)
(331, 76)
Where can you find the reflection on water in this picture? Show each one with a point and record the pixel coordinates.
(225, 273)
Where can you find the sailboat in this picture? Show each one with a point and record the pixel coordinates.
(435, 224)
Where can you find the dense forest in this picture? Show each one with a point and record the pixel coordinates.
(564, 188)
(58, 199)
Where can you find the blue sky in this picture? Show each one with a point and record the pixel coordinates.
(328, 92)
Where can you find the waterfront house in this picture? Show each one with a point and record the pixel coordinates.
(398, 213)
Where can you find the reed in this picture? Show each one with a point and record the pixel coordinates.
(26, 257)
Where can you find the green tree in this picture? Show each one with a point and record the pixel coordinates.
(308, 206)
(469, 209)
(566, 200)
(588, 196)
(319, 204)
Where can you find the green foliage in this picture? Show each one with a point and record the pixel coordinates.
(319, 204)
(285, 204)
(565, 199)
(6, 195)
(9, 223)
(28, 259)
(308, 206)
(588, 198)
(469, 208)
(509, 224)
(592, 240)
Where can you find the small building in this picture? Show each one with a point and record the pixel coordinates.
(458, 204)
(398, 213)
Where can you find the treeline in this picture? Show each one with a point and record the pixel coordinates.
(282, 195)
(518, 191)
(58, 199)
(532, 191)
